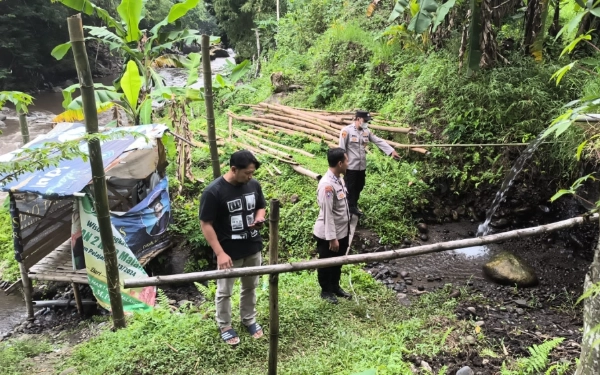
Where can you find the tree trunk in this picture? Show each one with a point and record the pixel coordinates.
(555, 27)
(535, 20)
(210, 112)
(86, 82)
(589, 362)
(474, 47)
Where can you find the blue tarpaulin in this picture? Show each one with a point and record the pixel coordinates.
(71, 176)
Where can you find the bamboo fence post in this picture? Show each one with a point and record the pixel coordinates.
(273, 286)
(86, 82)
(24, 127)
(77, 297)
(360, 258)
(208, 100)
(18, 247)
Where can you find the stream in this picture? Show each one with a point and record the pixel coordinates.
(48, 104)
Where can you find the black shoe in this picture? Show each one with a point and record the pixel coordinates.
(342, 293)
(329, 297)
(355, 211)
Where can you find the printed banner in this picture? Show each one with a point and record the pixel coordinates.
(134, 299)
(144, 227)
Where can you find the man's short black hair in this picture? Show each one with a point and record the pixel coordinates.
(335, 155)
(242, 160)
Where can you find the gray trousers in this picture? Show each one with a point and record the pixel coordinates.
(247, 295)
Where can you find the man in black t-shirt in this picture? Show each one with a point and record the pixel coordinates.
(232, 210)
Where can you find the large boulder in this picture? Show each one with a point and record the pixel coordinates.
(509, 269)
(2, 117)
(216, 52)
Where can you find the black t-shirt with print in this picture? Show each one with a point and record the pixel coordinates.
(231, 209)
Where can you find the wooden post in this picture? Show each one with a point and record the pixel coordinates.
(86, 82)
(27, 290)
(24, 127)
(18, 247)
(273, 287)
(77, 297)
(210, 112)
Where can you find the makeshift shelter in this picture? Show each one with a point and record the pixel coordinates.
(45, 210)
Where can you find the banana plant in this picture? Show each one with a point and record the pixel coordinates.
(124, 36)
(227, 84)
(425, 14)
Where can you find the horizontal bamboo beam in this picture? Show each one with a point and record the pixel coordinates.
(359, 258)
(61, 302)
(306, 172)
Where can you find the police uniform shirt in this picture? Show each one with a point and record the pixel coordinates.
(355, 141)
(334, 215)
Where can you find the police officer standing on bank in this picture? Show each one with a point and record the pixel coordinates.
(354, 139)
(332, 227)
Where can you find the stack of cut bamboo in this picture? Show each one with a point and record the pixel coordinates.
(315, 124)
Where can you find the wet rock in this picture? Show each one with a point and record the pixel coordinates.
(426, 366)
(2, 117)
(465, 371)
(2, 124)
(471, 310)
(403, 299)
(393, 273)
(520, 311)
(424, 237)
(408, 282)
(398, 287)
(294, 199)
(455, 294)
(509, 269)
(420, 288)
(544, 209)
(404, 274)
(407, 242)
(521, 302)
(218, 52)
(439, 213)
(430, 278)
(422, 227)
(455, 215)
(524, 210)
(500, 223)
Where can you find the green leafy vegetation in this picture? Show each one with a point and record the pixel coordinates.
(15, 354)
(315, 337)
(9, 268)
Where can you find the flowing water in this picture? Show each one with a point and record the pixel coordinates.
(12, 311)
(508, 181)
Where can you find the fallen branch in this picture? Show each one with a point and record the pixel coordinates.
(358, 258)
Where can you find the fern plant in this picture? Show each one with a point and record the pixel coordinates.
(537, 362)
(209, 292)
(162, 301)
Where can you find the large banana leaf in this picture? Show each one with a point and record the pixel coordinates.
(131, 14)
(131, 83)
(89, 8)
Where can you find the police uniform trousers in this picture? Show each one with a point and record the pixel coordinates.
(355, 183)
(329, 278)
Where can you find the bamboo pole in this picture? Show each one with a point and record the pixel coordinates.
(77, 297)
(390, 129)
(306, 172)
(24, 127)
(18, 248)
(267, 128)
(360, 258)
(284, 125)
(99, 180)
(273, 286)
(302, 152)
(208, 100)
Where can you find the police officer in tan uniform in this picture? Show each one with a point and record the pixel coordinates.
(332, 227)
(354, 138)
